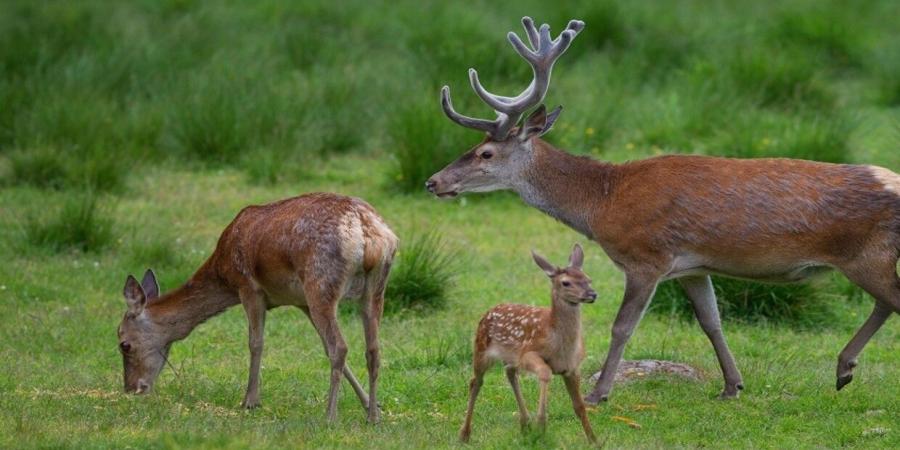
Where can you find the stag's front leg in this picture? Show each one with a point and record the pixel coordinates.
(255, 307)
(638, 291)
(700, 290)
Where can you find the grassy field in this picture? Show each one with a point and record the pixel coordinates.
(131, 133)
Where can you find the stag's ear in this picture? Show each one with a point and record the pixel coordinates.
(134, 296)
(150, 285)
(538, 123)
(545, 265)
(576, 259)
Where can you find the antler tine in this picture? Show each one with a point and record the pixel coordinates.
(541, 57)
(489, 126)
(530, 30)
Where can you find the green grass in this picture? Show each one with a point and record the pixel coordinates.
(423, 274)
(131, 133)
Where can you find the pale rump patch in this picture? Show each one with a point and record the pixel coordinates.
(351, 233)
(889, 179)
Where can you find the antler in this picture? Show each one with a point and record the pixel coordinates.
(541, 56)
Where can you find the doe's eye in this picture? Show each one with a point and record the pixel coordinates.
(566, 283)
(487, 154)
(125, 346)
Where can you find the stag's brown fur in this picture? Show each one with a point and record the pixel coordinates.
(308, 251)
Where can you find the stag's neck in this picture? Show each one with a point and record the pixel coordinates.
(570, 188)
(180, 311)
(565, 321)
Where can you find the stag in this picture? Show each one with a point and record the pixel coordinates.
(686, 217)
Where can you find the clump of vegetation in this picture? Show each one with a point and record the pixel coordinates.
(78, 225)
(757, 134)
(423, 141)
(422, 274)
(812, 304)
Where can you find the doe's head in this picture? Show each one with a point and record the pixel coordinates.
(143, 344)
(570, 284)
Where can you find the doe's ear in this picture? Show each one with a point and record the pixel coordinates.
(576, 259)
(545, 265)
(134, 296)
(539, 123)
(150, 285)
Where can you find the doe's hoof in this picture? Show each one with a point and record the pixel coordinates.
(843, 381)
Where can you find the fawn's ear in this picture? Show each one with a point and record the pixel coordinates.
(538, 123)
(150, 285)
(545, 265)
(134, 296)
(576, 259)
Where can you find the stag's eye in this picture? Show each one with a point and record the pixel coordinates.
(125, 346)
(566, 283)
(487, 154)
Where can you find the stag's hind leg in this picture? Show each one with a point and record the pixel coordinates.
(700, 290)
(881, 282)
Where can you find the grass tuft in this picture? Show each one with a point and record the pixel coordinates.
(78, 225)
(422, 275)
(808, 305)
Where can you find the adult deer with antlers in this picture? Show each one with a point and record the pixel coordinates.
(686, 217)
(309, 251)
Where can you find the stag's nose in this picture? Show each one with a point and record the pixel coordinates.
(592, 295)
(430, 185)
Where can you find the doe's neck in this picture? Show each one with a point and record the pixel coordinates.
(178, 312)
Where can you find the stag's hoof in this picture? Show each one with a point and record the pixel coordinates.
(595, 398)
(250, 404)
(843, 381)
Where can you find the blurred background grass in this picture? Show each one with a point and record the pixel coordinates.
(132, 132)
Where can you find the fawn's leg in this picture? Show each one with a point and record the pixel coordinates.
(700, 290)
(479, 367)
(255, 307)
(533, 363)
(573, 386)
(512, 374)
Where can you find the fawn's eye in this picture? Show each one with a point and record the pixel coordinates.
(125, 346)
(487, 154)
(566, 283)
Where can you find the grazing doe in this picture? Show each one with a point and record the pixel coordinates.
(685, 217)
(308, 251)
(542, 341)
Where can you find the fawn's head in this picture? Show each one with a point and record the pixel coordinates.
(570, 284)
(143, 344)
(499, 161)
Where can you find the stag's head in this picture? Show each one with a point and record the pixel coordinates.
(498, 161)
(570, 285)
(143, 344)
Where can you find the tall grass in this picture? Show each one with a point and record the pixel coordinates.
(78, 224)
(811, 305)
(422, 274)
